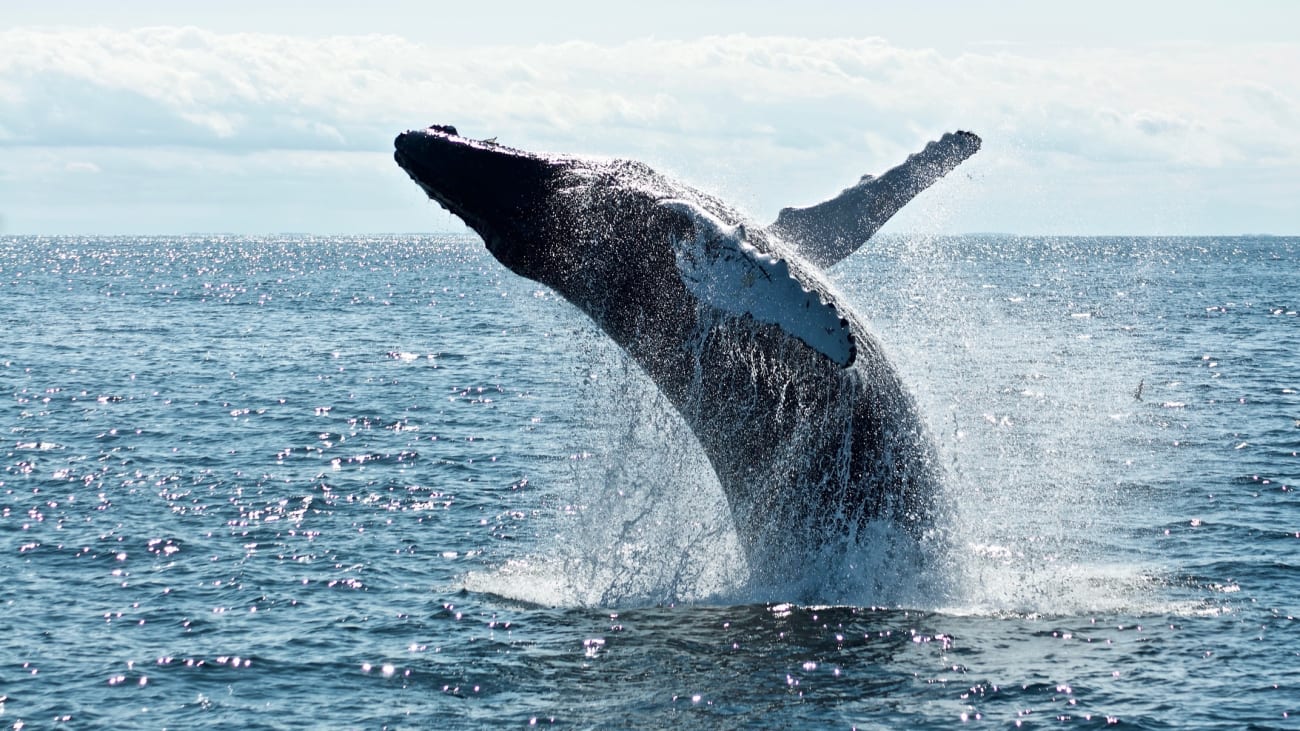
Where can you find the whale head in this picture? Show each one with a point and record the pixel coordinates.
(597, 229)
(564, 221)
(499, 192)
(588, 228)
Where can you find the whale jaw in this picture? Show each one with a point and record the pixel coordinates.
(498, 191)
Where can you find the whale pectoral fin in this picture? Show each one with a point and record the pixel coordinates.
(828, 232)
(725, 272)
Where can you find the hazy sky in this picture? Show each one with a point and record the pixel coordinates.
(1111, 117)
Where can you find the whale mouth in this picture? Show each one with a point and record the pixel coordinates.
(431, 157)
(491, 187)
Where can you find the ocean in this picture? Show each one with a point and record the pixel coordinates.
(380, 482)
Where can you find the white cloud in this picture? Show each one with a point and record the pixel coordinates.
(783, 120)
(82, 167)
(268, 89)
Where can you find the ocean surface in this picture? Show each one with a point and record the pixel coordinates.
(381, 482)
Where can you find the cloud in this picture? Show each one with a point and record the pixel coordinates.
(786, 119)
(82, 167)
(184, 85)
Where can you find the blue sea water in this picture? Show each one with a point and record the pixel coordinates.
(380, 482)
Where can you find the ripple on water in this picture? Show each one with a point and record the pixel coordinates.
(244, 476)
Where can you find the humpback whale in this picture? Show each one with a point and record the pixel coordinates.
(805, 421)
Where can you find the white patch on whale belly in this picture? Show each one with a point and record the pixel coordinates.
(725, 272)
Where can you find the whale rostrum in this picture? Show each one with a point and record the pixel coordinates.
(807, 424)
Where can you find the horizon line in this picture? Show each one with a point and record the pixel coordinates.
(469, 233)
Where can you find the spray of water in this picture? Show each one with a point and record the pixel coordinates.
(1026, 415)
(1020, 366)
(1026, 412)
(641, 519)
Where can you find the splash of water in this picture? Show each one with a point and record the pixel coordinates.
(643, 520)
(1032, 408)
(1031, 418)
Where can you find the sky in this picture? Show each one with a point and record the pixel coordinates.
(163, 117)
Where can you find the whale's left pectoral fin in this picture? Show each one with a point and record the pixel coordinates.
(725, 272)
(828, 232)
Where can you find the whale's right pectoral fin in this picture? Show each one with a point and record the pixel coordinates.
(828, 232)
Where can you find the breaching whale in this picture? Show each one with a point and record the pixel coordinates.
(808, 426)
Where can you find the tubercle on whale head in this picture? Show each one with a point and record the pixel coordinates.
(498, 191)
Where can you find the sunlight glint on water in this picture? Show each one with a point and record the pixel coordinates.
(375, 477)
